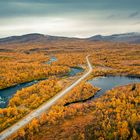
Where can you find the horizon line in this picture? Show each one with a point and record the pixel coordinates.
(18, 35)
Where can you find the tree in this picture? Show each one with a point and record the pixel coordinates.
(43, 118)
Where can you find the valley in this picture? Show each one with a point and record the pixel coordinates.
(52, 87)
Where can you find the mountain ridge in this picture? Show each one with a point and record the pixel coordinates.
(132, 37)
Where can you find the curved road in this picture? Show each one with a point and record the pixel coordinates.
(9, 131)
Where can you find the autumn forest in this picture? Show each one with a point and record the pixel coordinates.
(77, 115)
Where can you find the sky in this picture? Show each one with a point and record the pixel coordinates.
(71, 18)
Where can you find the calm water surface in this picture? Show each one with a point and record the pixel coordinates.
(7, 93)
(107, 83)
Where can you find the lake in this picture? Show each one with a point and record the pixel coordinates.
(109, 82)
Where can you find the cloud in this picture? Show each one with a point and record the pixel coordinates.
(14, 8)
(67, 17)
(134, 14)
(136, 23)
(113, 16)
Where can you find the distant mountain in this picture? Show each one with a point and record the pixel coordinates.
(21, 39)
(30, 38)
(127, 37)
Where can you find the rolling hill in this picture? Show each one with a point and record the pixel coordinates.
(28, 38)
(127, 37)
(35, 37)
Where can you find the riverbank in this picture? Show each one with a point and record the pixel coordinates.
(7, 93)
(107, 113)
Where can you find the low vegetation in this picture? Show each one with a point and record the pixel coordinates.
(115, 115)
(18, 68)
(27, 99)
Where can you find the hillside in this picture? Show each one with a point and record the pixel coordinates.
(35, 37)
(30, 38)
(127, 37)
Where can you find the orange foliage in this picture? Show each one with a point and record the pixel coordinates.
(115, 115)
(27, 99)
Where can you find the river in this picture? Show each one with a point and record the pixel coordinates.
(7, 93)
